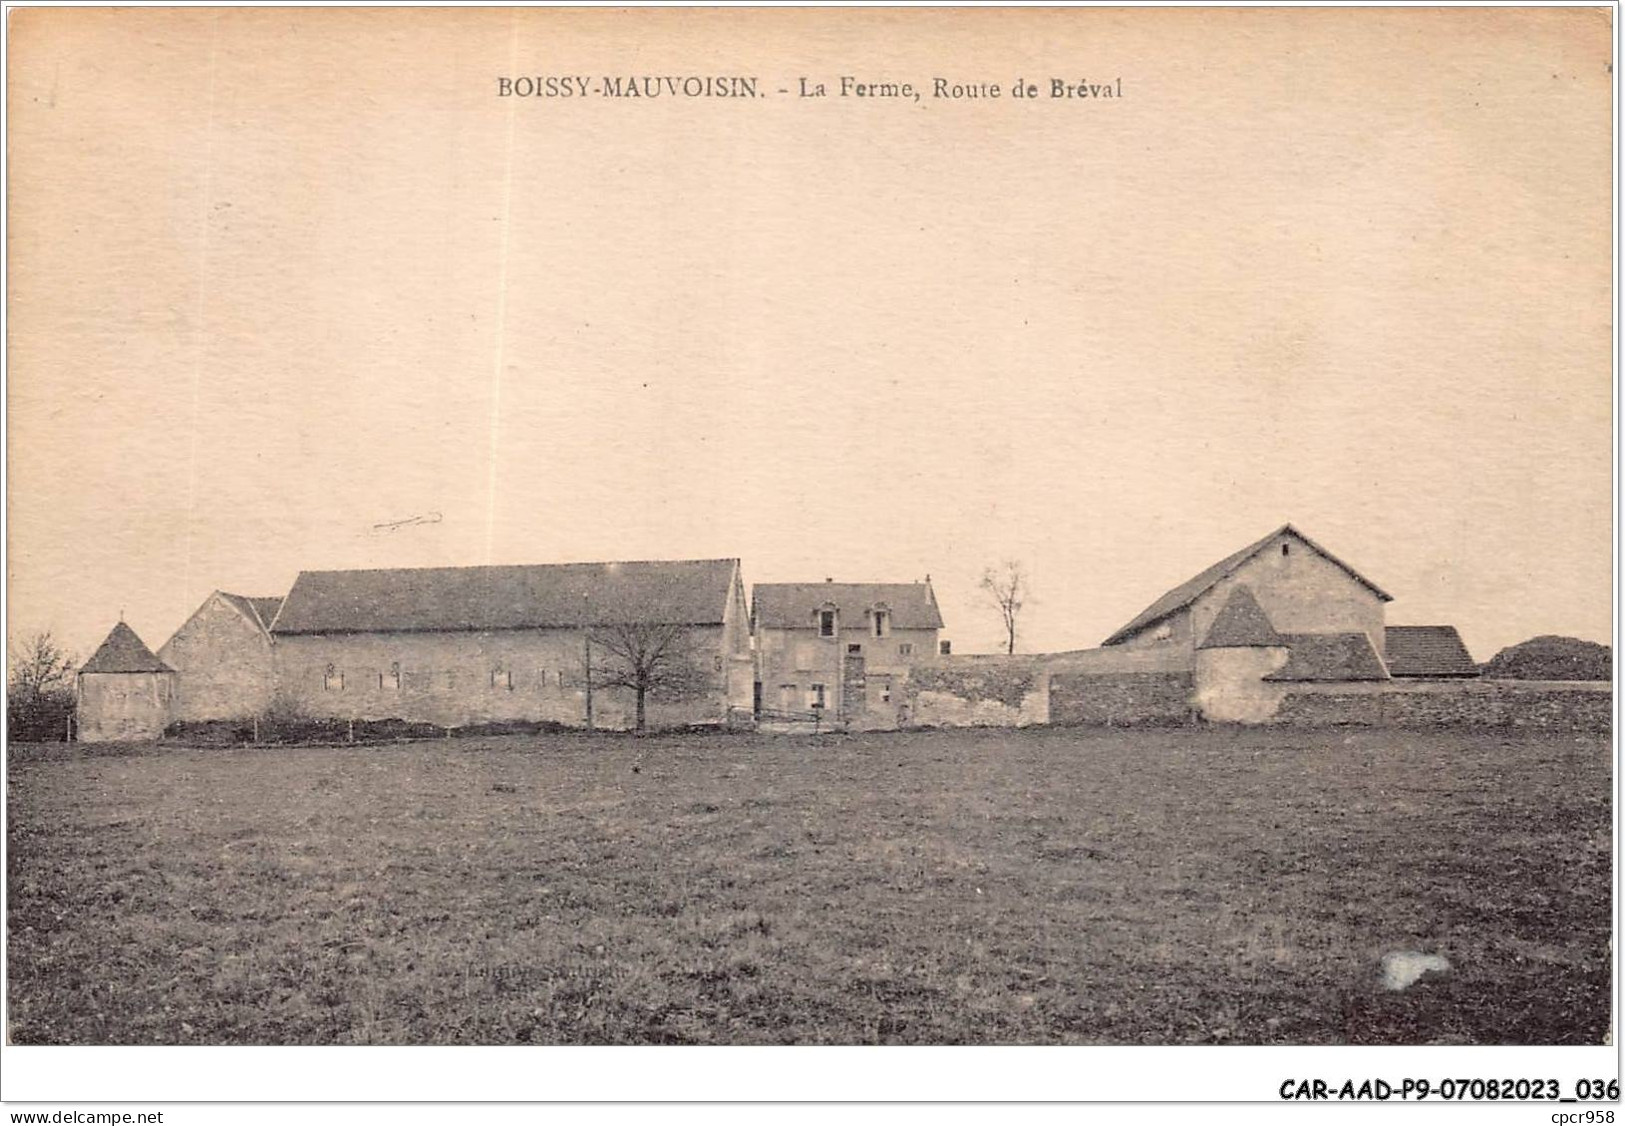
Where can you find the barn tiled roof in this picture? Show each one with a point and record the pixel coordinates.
(792, 605)
(1330, 656)
(441, 599)
(1428, 651)
(1192, 589)
(123, 651)
(261, 610)
(1241, 624)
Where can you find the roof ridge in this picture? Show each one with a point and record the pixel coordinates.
(507, 596)
(845, 582)
(513, 566)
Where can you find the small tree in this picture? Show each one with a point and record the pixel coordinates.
(39, 688)
(1006, 585)
(646, 658)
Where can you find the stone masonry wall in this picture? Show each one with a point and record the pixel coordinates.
(1485, 703)
(1121, 698)
(977, 691)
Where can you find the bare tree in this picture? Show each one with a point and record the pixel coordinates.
(647, 658)
(39, 688)
(1006, 585)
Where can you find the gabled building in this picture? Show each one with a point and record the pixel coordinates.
(222, 656)
(124, 692)
(1281, 617)
(464, 645)
(1299, 586)
(840, 650)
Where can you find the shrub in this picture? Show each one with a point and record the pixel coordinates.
(39, 717)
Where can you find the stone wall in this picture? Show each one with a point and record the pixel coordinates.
(1554, 706)
(1111, 685)
(1121, 698)
(976, 691)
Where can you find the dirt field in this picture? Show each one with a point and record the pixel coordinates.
(1046, 886)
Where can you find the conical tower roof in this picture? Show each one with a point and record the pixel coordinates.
(1242, 624)
(123, 651)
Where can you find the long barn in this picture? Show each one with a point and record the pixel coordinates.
(464, 645)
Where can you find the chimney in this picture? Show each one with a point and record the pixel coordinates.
(829, 578)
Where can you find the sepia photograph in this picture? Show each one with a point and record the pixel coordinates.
(858, 527)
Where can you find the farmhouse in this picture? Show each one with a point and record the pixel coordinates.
(222, 656)
(463, 645)
(841, 650)
(124, 692)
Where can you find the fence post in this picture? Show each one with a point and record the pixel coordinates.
(352, 729)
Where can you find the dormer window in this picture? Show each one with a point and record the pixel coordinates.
(882, 623)
(826, 623)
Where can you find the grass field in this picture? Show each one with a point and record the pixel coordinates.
(1043, 886)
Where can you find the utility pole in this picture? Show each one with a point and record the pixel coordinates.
(589, 682)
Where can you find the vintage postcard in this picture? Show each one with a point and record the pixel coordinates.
(1065, 526)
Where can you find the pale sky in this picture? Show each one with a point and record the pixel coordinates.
(279, 276)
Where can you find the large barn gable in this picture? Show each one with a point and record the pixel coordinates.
(1189, 591)
(792, 605)
(536, 596)
(123, 651)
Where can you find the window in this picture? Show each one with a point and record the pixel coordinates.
(882, 623)
(332, 680)
(826, 623)
(1163, 632)
(882, 685)
(391, 681)
(716, 663)
(1286, 549)
(906, 649)
(854, 648)
(815, 697)
(946, 648)
(501, 678)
